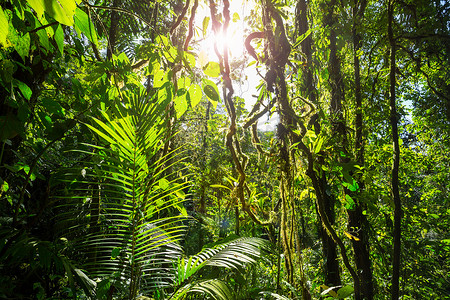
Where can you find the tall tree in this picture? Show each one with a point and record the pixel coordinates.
(396, 155)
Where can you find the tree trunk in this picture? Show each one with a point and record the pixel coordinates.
(396, 158)
(357, 222)
(339, 128)
(112, 35)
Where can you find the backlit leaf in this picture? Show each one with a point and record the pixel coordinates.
(195, 94)
(212, 69)
(211, 91)
(349, 203)
(20, 42)
(183, 82)
(205, 25)
(84, 25)
(59, 39)
(181, 105)
(61, 10)
(236, 17)
(190, 58)
(3, 27)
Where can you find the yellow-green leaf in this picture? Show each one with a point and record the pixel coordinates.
(20, 43)
(181, 105)
(195, 94)
(190, 58)
(163, 183)
(84, 25)
(183, 82)
(205, 25)
(212, 69)
(59, 39)
(3, 27)
(220, 186)
(61, 10)
(236, 17)
(159, 79)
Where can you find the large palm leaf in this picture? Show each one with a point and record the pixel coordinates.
(235, 254)
(116, 210)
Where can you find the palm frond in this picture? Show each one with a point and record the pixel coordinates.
(235, 254)
(115, 210)
(216, 289)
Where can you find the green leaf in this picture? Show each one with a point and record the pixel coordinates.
(103, 288)
(163, 184)
(434, 216)
(181, 105)
(3, 27)
(46, 120)
(183, 82)
(52, 106)
(220, 186)
(212, 95)
(236, 17)
(61, 10)
(353, 186)
(23, 112)
(59, 38)
(319, 143)
(159, 79)
(205, 25)
(302, 38)
(328, 290)
(190, 58)
(20, 43)
(6, 70)
(211, 91)
(43, 39)
(4, 187)
(11, 126)
(345, 291)
(212, 69)
(84, 25)
(24, 89)
(87, 284)
(195, 94)
(162, 41)
(349, 203)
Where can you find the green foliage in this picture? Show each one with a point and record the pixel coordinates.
(110, 167)
(123, 183)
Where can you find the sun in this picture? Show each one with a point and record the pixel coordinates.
(233, 40)
(234, 37)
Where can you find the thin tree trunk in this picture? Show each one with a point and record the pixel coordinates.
(338, 123)
(306, 47)
(332, 272)
(356, 220)
(112, 35)
(396, 158)
(202, 208)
